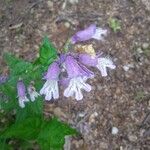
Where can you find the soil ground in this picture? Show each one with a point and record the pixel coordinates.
(122, 99)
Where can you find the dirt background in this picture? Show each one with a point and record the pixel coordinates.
(121, 100)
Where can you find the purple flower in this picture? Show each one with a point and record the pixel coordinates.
(3, 79)
(88, 60)
(75, 69)
(90, 32)
(32, 93)
(21, 94)
(50, 88)
(77, 74)
(75, 86)
(102, 63)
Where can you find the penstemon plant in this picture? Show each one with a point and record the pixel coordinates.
(23, 89)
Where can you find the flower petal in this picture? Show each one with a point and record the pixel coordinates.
(45, 86)
(48, 95)
(69, 90)
(32, 93)
(75, 69)
(86, 86)
(21, 89)
(78, 94)
(102, 70)
(53, 71)
(50, 90)
(55, 92)
(84, 35)
(103, 63)
(22, 101)
(75, 86)
(88, 60)
(99, 34)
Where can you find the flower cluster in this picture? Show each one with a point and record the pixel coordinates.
(75, 67)
(70, 70)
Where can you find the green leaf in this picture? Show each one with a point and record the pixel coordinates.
(37, 76)
(17, 66)
(114, 24)
(28, 129)
(10, 60)
(4, 145)
(48, 52)
(8, 105)
(53, 133)
(48, 134)
(8, 97)
(31, 109)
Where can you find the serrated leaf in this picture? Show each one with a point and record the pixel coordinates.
(28, 129)
(17, 66)
(10, 59)
(53, 133)
(8, 97)
(48, 52)
(31, 109)
(48, 134)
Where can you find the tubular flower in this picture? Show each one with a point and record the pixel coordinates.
(21, 94)
(75, 69)
(32, 93)
(75, 86)
(88, 33)
(50, 88)
(102, 63)
(77, 74)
